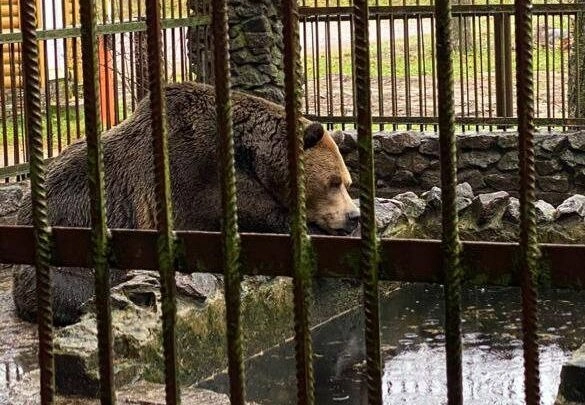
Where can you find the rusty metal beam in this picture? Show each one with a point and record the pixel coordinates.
(410, 260)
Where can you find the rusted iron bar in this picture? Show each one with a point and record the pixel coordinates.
(409, 260)
(529, 252)
(165, 246)
(230, 237)
(369, 240)
(451, 246)
(300, 253)
(41, 231)
(93, 127)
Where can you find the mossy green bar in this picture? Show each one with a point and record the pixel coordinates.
(451, 245)
(230, 236)
(369, 255)
(95, 175)
(164, 218)
(301, 252)
(42, 233)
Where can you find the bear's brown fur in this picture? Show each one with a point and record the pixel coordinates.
(261, 170)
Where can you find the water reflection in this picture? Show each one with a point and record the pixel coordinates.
(414, 353)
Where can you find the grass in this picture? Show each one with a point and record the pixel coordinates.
(62, 123)
(403, 60)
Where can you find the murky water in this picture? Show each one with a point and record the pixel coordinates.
(414, 351)
(17, 339)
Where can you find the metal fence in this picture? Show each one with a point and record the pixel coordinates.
(122, 60)
(404, 70)
(428, 261)
(402, 64)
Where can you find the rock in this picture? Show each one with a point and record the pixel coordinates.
(476, 141)
(474, 177)
(501, 181)
(545, 212)
(432, 198)
(258, 23)
(558, 183)
(430, 178)
(571, 387)
(403, 178)
(508, 141)
(547, 167)
(413, 162)
(579, 177)
(572, 207)
(412, 205)
(347, 141)
(573, 158)
(429, 146)
(509, 161)
(512, 213)
(481, 159)
(10, 197)
(385, 166)
(464, 190)
(577, 140)
(553, 143)
(388, 212)
(250, 76)
(398, 142)
(199, 286)
(488, 208)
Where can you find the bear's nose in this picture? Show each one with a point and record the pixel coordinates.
(352, 220)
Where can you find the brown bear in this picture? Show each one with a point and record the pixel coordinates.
(262, 182)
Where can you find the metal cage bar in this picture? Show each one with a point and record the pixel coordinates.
(529, 251)
(369, 241)
(95, 166)
(164, 218)
(451, 246)
(301, 254)
(230, 236)
(42, 232)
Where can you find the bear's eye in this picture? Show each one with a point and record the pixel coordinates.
(335, 182)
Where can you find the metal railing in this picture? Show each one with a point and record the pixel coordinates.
(122, 61)
(404, 70)
(447, 261)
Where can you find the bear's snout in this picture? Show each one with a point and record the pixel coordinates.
(351, 221)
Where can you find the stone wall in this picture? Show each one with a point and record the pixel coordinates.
(256, 47)
(487, 161)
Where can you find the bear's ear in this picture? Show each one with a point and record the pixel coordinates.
(313, 134)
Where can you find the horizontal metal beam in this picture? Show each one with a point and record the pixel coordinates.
(107, 29)
(409, 260)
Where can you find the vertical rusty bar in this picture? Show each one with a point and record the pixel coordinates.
(95, 167)
(509, 89)
(32, 99)
(500, 65)
(369, 241)
(230, 237)
(529, 251)
(163, 199)
(450, 238)
(300, 241)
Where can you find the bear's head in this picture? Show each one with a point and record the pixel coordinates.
(329, 206)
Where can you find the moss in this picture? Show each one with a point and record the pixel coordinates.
(201, 342)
